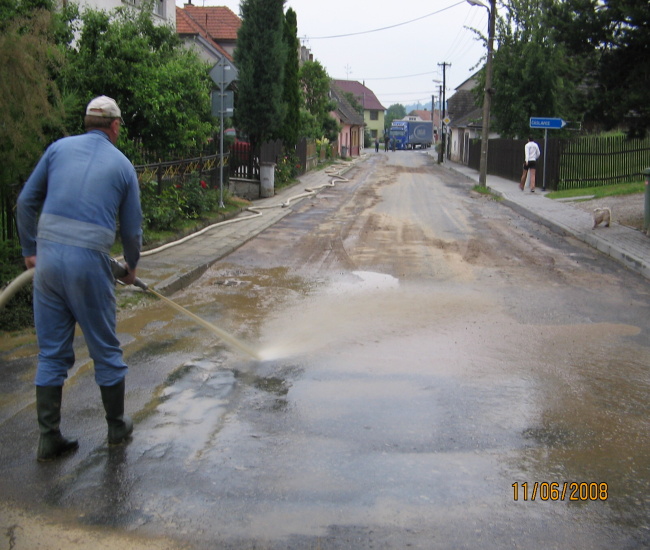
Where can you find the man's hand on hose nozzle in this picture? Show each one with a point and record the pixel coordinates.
(126, 275)
(129, 278)
(30, 261)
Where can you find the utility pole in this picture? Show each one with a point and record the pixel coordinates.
(487, 93)
(441, 152)
(433, 110)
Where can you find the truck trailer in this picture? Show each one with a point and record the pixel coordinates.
(409, 134)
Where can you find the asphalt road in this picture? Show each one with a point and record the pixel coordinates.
(439, 372)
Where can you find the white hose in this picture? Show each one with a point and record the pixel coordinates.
(15, 285)
(256, 210)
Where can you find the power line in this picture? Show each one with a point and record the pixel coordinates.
(396, 77)
(384, 28)
(403, 93)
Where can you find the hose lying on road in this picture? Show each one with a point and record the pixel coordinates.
(15, 285)
(256, 210)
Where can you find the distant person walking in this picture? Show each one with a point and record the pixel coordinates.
(386, 142)
(531, 154)
(376, 145)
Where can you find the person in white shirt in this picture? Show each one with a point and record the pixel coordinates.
(531, 154)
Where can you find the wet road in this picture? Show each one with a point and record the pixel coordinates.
(439, 373)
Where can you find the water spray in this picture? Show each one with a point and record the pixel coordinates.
(119, 270)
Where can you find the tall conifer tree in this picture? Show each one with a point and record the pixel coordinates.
(260, 58)
(290, 131)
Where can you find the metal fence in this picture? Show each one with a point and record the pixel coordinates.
(576, 163)
(239, 162)
(593, 161)
(177, 170)
(245, 163)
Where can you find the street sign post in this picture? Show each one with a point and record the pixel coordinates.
(222, 74)
(223, 102)
(547, 124)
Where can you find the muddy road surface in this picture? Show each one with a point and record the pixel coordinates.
(437, 372)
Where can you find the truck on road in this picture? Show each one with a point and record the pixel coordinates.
(409, 134)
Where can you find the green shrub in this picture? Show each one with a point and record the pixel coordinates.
(287, 169)
(198, 197)
(160, 211)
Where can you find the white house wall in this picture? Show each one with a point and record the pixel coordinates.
(164, 12)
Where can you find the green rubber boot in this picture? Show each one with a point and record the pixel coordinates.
(120, 426)
(51, 444)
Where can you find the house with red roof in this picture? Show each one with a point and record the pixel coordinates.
(352, 124)
(209, 30)
(373, 110)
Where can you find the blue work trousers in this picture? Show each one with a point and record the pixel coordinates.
(75, 285)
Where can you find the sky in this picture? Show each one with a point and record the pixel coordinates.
(395, 48)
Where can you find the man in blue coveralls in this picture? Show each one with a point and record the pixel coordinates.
(81, 186)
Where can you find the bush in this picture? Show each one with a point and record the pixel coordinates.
(198, 197)
(287, 169)
(160, 211)
(177, 203)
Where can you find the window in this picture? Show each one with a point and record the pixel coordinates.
(374, 115)
(159, 8)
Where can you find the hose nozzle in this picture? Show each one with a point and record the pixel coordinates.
(120, 270)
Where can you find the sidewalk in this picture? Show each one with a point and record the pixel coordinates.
(628, 246)
(175, 266)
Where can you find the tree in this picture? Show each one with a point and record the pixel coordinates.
(260, 58)
(30, 102)
(315, 83)
(613, 36)
(290, 131)
(532, 74)
(394, 112)
(163, 89)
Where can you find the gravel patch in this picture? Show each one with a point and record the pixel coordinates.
(626, 209)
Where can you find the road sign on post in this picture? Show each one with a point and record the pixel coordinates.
(222, 74)
(547, 123)
(223, 102)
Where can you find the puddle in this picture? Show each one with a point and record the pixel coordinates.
(363, 281)
(361, 308)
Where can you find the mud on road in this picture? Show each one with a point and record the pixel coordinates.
(426, 348)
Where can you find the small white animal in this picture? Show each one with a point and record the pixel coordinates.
(602, 215)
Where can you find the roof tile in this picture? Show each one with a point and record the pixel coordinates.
(366, 96)
(218, 21)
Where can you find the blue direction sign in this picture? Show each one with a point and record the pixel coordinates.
(550, 123)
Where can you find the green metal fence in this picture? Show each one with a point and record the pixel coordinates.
(594, 161)
(570, 164)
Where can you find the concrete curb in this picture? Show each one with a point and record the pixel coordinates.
(182, 279)
(619, 243)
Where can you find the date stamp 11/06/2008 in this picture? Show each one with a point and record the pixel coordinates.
(563, 491)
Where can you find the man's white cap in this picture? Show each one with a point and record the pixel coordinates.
(103, 106)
